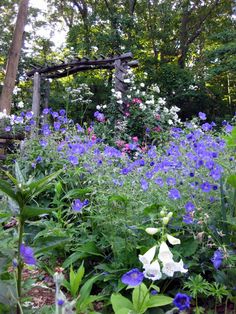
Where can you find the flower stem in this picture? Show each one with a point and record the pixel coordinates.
(20, 264)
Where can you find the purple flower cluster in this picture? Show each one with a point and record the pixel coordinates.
(77, 205)
(27, 255)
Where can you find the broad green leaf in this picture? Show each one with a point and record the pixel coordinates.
(19, 175)
(152, 209)
(30, 211)
(13, 179)
(118, 198)
(75, 279)
(86, 290)
(232, 180)
(76, 193)
(119, 302)
(6, 188)
(159, 300)
(140, 297)
(37, 187)
(48, 243)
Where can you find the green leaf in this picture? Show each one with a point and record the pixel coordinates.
(232, 180)
(30, 211)
(119, 302)
(76, 193)
(152, 209)
(75, 279)
(6, 188)
(140, 297)
(48, 243)
(159, 300)
(82, 252)
(37, 187)
(86, 290)
(19, 175)
(118, 198)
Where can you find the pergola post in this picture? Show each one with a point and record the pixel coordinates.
(120, 73)
(36, 96)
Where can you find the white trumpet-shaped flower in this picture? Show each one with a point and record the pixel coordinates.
(148, 256)
(173, 240)
(152, 271)
(151, 231)
(170, 267)
(165, 254)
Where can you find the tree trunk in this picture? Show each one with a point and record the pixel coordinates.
(13, 57)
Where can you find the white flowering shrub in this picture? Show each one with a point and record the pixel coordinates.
(141, 114)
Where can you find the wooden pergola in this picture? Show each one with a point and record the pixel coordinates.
(120, 63)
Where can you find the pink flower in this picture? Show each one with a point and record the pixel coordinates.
(137, 101)
(127, 114)
(120, 143)
(135, 139)
(93, 137)
(157, 129)
(157, 116)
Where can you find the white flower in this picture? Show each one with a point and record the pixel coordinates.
(129, 96)
(151, 231)
(98, 107)
(118, 95)
(152, 271)
(120, 101)
(142, 106)
(104, 106)
(173, 240)
(165, 254)
(148, 256)
(170, 122)
(171, 267)
(20, 104)
(142, 85)
(126, 80)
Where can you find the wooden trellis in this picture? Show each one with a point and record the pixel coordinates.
(54, 71)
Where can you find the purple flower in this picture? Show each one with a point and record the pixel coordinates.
(159, 181)
(206, 187)
(174, 194)
(57, 126)
(171, 181)
(206, 127)
(27, 128)
(182, 301)
(99, 116)
(144, 184)
(8, 128)
(77, 205)
(133, 278)
(189, 206)
(62, 112)
(202, 115)
(55, 114)
(60, 302)
(228, 128)
(217, 258)
(46, 111)
(29, 115)
(73, 160)
(27, 254)
(43, 143)
(188, 219)
(79, 128)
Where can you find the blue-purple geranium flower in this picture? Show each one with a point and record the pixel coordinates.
(217, 259)
(77, 205)
(182, 301)
(133, 278)
(27, 255)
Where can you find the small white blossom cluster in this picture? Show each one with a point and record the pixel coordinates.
(81, 94)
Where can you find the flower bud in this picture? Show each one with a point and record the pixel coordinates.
(151, 231)
(166, 220)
